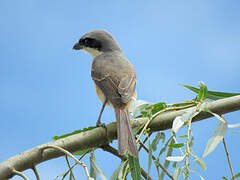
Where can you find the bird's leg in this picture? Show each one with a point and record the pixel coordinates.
(100, 115)
(99, 124)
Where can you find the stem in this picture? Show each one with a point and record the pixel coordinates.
(154, 158)
(36, 173)
(188, 151)
(64, 175)
(69, 154)
(20, 174)
(113, 151)
(70, 168)
(228, 158)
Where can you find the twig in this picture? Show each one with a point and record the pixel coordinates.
(184, 103)
(160, 112)
(70, 168)
(141, 144)
(188, 152)
(228, 158)
(75, 163)
(20, 174)
(113, 151)
(154, 158)
(36, 173)
(69, 154)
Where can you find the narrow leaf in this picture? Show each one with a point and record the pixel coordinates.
(214, 95)
(156, 140)
(138, 106)
(191, 141)
(74, 132)
(157, 107)
(96, 168)
(83, 151)
(134, 166)
(93, 173)
(175, 158)
(177, 145)
(118, 173)
(236, 176)
(177, 124)
(200, 162)
(189, 114)
(202, 91)
(216, 138)
(149, 156)
(184, 136)
(169, 153)
(177, 173)
(234, 125)
(201, 177)
(169, 141)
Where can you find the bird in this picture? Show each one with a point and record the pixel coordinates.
(115, 82)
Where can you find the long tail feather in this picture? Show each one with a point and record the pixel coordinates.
(126, 140)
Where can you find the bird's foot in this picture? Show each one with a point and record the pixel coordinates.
(99, 124)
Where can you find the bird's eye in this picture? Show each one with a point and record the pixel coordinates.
(91, 43)
(86, 41)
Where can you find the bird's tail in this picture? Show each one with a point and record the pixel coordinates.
(126, 140)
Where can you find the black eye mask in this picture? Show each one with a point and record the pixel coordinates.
(91, 43)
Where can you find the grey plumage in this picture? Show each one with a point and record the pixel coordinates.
(115, 80)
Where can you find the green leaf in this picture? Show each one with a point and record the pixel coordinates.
(119, 172)
(236, 176)
(156, 140)
(149, 156)
(174, 165)
(216, 138)
(234, 131)
(71, 176)
(147, 114)
(157, 107)
(214, 95)
(135, 168)
(74, 132)
(191, 141)
(202, 91)
(184, 136)
(95, 167)
(93, 173)
(224, 178)
(177, 145)
(169, 153)
(83, 151)
(165, 146)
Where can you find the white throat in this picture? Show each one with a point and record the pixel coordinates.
(92, 52)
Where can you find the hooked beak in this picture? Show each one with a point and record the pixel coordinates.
(77, 46)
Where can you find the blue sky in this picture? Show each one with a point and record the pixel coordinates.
(46, 88)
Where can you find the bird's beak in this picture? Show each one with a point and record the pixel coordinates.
(77, 46)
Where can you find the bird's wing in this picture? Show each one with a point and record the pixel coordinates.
(127, 87)
(117, 87)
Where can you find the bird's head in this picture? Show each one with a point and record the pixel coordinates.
(97, 42)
